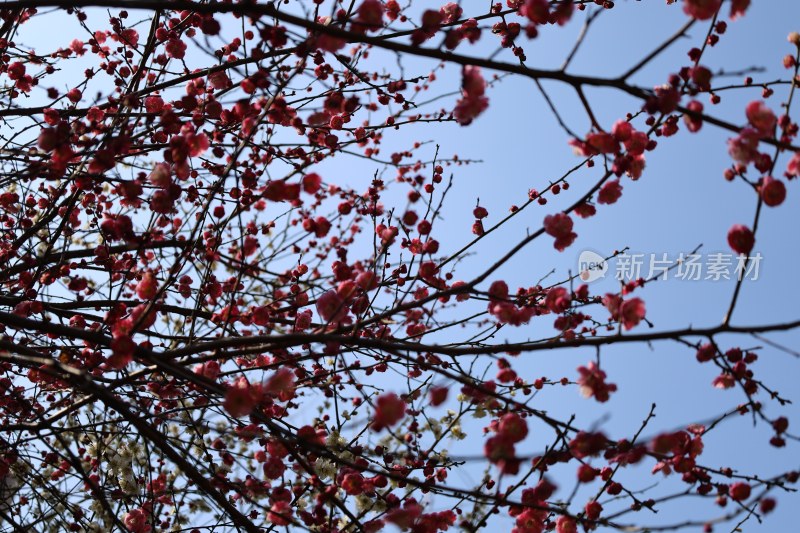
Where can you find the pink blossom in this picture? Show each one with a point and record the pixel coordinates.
(537, 11)
(331, 307)
(610, 192)
(451, 12)
(241, 398)
(557, 300)
(743, 149)
(560, 227)
(592, 382)
(632, 312)
(136, 521)
(761, 117)
(738, 7)
(389, 410)
(370, 16)
(701, 9)
(565, 524)
(513, 427)
(473, 101)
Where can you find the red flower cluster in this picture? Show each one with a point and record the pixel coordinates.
(678, 449)
(499, 449)
(472, 102)
(701, 9)
(389, 410)
(560, 227)
(592, 382)
(628, 312)
(242, 397)
(504, 309)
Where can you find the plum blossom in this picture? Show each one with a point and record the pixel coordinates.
(761, 117)
(389, 410)
(565, 524)
(136, 521)
(241, 398)
(739, 491)
(557, 300)
(741, 239)
(592, 382)
(701, 9)
(628, 312)
(560, 227)
(451, 12)
(370, 16)
(772, 191)
(610, 192)
(331, 307)
(473, 102)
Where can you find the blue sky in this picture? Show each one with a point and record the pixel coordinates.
(681, 201)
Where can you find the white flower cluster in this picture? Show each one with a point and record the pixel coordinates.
(335, 440)
(325, 469)
(120, 460)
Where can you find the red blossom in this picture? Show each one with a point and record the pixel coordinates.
(537, 11)
(739, 491)
(560, 227)
(389, 410)
(761, 117)
(512, 427)
(632, 312)
(451, 12)
(741, 239)
(600, 143)
(772, 191)
(122, 351)
(438, 395)
(565, 524)
(473, 101)
(280, 513)
(593, 510)
(242, 397)
(557, 300)
(592, 382)
(331, 307)
(178, 278)
(136, 521)
(701, 9)
(370, 16)
(176, 48)
(530, 521)
(743, 149)
(738, 8)
(610, 192)
(628, 312)
(148, 286)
